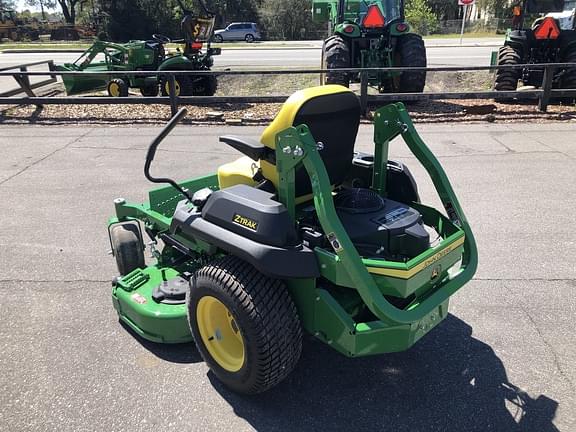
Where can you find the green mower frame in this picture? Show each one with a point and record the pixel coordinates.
(327, 306)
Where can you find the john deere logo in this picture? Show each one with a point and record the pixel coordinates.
(245, 222)
(435, 272)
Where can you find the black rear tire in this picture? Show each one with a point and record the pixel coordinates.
(261, 310)
(412, 53)
(127, 247)
(205, 86)
(337, 56)
(569, 77)
(149, 91)
(184, 85)
(507, 79)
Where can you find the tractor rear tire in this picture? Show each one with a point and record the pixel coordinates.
(184, 85)
(149, 91)
(127, 247)
(206, 86)
(337, 56)
(412, 53)
(117, 87)
(507, 79)
(569, 77)
(245, 325)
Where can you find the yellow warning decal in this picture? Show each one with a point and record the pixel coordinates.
(406, 274)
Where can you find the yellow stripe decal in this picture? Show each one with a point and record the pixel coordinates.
(406, 274)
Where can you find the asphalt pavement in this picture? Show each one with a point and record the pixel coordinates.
(504, 360)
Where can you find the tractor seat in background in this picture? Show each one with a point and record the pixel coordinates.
(331, 112)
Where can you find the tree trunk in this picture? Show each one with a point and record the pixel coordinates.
(70, 19)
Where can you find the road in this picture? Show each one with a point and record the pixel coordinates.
(476, 53)
(504, 360)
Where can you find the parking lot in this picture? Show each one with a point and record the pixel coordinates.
(504, 360)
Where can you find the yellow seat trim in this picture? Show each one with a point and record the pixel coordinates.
(285, 119)
(236, 172)
(241, 170)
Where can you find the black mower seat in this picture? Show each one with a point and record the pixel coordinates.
(331, 112)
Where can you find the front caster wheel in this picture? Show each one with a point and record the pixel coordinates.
(245, 325)
(127, 247)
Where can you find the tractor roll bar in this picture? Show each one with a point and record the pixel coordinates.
(296, 145)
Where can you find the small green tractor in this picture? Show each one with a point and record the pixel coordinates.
(371, 34)
(150, 56)
(301, 234)
(549, 39)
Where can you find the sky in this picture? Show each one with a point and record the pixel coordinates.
(21, 5)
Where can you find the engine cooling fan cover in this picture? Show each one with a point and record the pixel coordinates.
(356, 200)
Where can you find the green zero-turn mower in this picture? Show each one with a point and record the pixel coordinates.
(299, 234)
(150, 56)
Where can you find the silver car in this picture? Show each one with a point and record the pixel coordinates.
(238, 31)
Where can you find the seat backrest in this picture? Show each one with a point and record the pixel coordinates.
(332, 113)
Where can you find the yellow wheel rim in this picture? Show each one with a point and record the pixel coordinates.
(114, 89)
(176, 89)
(220, 333)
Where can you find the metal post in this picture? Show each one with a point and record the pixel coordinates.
(172, 93)
(463, 22)
(25, 78)
(52, 68)
(364, 93)
(24, 83)
(546, 87)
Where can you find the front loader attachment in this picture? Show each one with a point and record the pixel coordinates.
(100, 57)
(76, 84)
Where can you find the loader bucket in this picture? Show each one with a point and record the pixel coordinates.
(75, 84)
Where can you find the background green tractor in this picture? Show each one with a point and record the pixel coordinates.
(371, 33)
(150, 56)
(550, 39)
